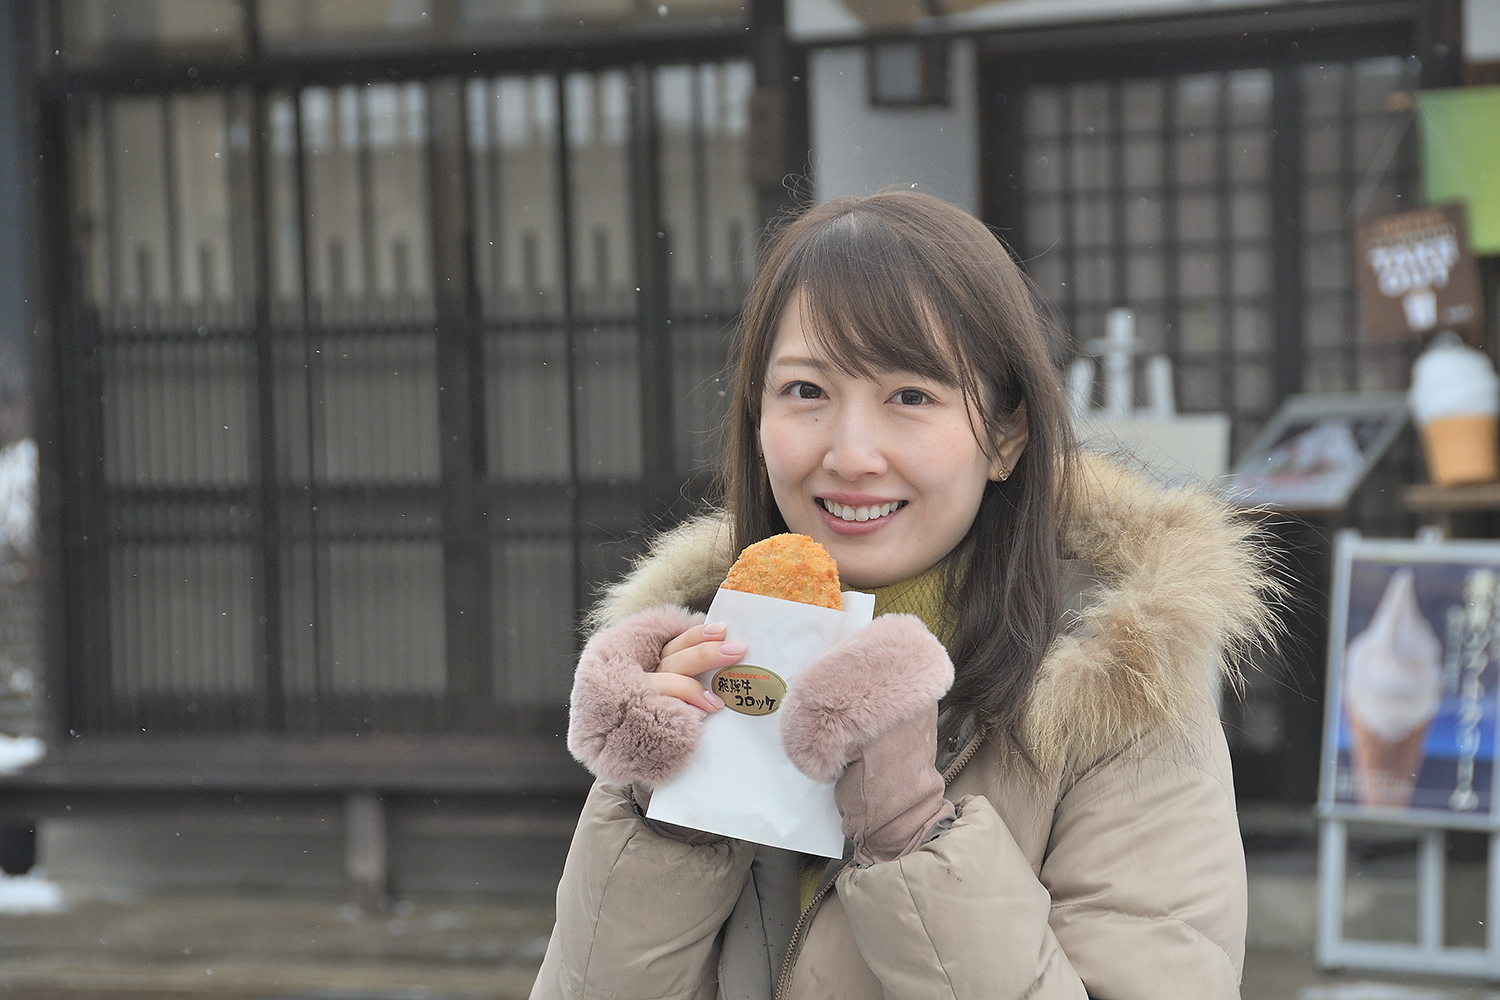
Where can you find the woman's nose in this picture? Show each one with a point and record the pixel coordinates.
(854, 450)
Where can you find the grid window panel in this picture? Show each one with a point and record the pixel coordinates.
(700, 381)
(513, 124)
(1143, 161)
(1151, 327)
(1093, 222)
(1044, 168)
(1197, 159)
(533, 616)
(608, 406)
(1141, 103)
(268, 398)
(597, 124)
(1250, 272)
(1197, 100)
(1250, 93)
(377, 397)
(1252, 328)
(1092, 160)
(181, 620)
(1253, 387)
(526, 386)
(385, 618)
(178, 414)
(1250, 214)
(1249, 155)
(1147, 281)
(1201, 334)
(702, 117)
(1145, 219)
(1183, 165)
(1199, 273)
(1044, 113)
(368, 258)
(1198, 217)
(1045, 221)
(1089, 109)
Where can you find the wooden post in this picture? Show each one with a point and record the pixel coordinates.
(366, 859)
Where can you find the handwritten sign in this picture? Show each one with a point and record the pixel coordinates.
(1418, 275)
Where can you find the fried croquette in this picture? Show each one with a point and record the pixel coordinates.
(790, 566)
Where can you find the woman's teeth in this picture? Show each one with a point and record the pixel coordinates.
(848, 513)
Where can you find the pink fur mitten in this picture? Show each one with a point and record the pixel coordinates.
(865, 715)
(619, 726)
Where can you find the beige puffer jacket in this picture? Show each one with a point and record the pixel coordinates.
(1113, 870)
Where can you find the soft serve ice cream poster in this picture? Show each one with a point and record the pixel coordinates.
(1416, 688)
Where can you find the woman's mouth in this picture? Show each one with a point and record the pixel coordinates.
(873, 512)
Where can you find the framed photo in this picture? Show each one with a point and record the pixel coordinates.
(1316, 450)
(1414, 639)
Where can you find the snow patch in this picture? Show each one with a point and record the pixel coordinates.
(30, 893)
(18, 472)
(17, 752)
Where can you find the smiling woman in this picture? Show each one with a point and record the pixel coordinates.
(1033, 784)
(887, 471)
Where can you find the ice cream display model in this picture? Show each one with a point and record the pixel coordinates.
(1393, 686)
(1454, 398)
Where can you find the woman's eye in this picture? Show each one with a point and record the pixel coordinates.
(805, 390)
(911, 397)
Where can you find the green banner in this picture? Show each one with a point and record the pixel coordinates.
(1461, 156)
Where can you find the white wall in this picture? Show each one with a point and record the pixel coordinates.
(1482, 30)
(860, 149)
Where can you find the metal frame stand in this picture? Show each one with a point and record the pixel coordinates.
(1428, 954)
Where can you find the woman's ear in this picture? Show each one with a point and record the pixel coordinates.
(1009, 444)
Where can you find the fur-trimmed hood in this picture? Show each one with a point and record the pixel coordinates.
(1182, 585)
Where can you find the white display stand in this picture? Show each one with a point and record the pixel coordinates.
(1441, 569)
(1173, 446)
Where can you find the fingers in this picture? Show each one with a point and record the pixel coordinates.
(686, 689)
(698, 633)
(698, 650)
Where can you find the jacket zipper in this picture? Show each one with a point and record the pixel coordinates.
(964, 756)
(785, 979)
(787, 964)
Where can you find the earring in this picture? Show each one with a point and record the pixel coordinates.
(1003, 474)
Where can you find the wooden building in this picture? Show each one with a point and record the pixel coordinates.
(370, 339)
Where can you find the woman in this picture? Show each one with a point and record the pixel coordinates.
(1061, 822)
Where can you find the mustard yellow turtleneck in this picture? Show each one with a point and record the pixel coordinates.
(923, 596)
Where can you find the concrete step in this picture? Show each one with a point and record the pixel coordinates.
(217, 908)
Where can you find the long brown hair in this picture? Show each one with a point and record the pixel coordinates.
(904, 282)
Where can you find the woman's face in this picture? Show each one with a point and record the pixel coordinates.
(885, 472)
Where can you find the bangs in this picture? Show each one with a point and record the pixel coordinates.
(867, 307)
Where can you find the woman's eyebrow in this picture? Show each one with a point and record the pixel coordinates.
(816, 364)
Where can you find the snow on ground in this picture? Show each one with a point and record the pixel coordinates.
(18, 470)
(29, 893)
(17, 752)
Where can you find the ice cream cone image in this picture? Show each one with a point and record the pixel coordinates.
(1461, 449)
(1455, 398)
(1393, 685)
(1385, 771)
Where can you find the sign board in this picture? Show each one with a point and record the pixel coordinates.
(1459, 125)
(1413, 658)
(1418, 274)
(1316, 450)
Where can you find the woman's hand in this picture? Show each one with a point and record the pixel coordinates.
(864, 716)
(698, 650)
(620, 726)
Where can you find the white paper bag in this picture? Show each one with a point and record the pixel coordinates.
(739, 782)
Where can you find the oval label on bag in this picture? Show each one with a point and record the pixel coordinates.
(748, 689)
